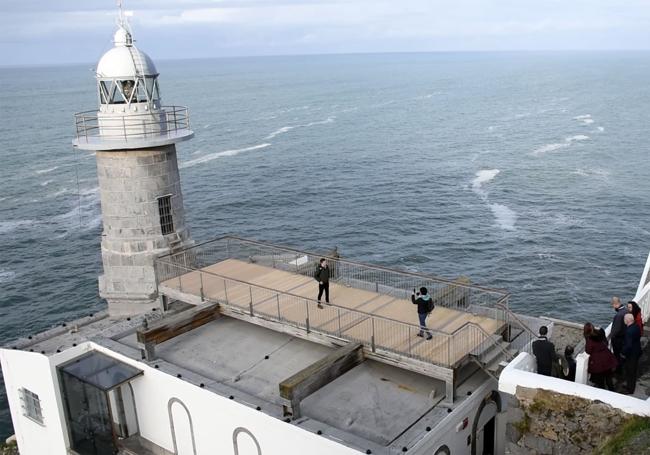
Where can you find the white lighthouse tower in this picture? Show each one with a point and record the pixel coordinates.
(134, 137)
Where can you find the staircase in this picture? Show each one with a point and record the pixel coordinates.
(497, 350)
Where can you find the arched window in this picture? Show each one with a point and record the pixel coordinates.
(180, 422)
(245, 443)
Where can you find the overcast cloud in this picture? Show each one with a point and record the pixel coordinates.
(48, 31)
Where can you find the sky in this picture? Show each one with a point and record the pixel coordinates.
(66, 31)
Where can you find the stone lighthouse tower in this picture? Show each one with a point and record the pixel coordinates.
(134, 138)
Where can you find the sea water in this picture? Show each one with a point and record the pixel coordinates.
(527, 172)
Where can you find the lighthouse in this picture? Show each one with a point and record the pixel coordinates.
(134, 137)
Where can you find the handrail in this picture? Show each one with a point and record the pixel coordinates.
(519, 321)
(91, 125)
(347, 261)
(308, 299)
(487, 336)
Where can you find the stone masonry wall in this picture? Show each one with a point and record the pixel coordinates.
(550, 423)
(130, 182)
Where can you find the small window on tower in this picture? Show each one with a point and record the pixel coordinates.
(165, 212)
(31, 405)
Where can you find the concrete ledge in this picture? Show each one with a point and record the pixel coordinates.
(520, 373)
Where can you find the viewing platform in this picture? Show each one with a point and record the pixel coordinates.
(275, 287)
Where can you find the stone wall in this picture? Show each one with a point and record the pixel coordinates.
(544, 422)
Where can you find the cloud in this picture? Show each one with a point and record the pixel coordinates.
(262, 27)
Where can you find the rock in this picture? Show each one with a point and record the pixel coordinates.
(540, 445)
(512, 433)
(11, 440)
(514, 449)
(550, 434)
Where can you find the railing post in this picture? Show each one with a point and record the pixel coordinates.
(372, 337)
(277, 298)
(409, 337)
(202, 295)
(339, 317)
(307, 320)
(83, 117)
(180, 283)
(124, 128)
(225, 291)
(250, 302)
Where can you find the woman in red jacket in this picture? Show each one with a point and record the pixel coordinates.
(602, 362)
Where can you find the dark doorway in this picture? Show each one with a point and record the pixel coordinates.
(87, 383)
(488, 438)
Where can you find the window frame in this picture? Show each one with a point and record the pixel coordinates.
(31, 406)
(165, 214)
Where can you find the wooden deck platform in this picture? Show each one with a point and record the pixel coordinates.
(281, 296)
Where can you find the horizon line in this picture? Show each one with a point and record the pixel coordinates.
(332, 54)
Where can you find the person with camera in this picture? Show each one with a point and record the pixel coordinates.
(425, 306)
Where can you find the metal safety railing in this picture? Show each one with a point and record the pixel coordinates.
(168, 121)
(185, 271)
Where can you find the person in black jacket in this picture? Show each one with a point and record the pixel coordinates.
(424, 303)
(617, 335)
(544, 351)
(323, 277)
(631, 352)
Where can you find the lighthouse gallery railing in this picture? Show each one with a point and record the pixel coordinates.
(168, 121)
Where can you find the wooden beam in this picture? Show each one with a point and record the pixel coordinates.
(170, 327)
(307, 381)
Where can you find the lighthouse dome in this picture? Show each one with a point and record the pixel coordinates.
(125, 60)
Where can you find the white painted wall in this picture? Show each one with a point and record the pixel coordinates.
(214, 419)
(32, 371)
(520, 372)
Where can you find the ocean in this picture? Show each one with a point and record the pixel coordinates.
(523, 171)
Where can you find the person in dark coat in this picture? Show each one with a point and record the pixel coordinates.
(544, 352)
(424, 303)
(617, 335)
(602, 363)
(322, 275)
(571, 362)
(631, 352)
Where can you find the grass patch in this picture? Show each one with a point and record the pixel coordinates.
(523, 426)
(629, 430)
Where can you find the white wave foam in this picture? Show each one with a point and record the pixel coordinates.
(601, 129)
(46, 182)
(61, 192)
(584, 119)
(505, 217)
(282, 130)
(286, 129)
(214, 156)
(577, 137)
(6, 275)
(591, 173)
(550, 148)
(560, 145)
(47, 171)
(10, 226)
(484, 176)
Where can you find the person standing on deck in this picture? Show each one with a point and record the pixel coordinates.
(617, 335)
(425, 306)
(322, 275)
(544, 352)
(631, 352)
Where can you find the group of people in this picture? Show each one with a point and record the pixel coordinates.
(604, 364)
(625, 337)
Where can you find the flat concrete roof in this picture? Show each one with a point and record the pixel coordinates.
(374, 401)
